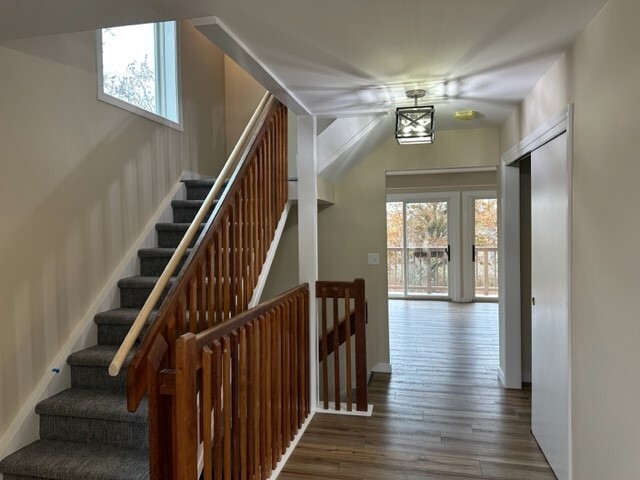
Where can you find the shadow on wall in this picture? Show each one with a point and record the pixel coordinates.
(60, 255)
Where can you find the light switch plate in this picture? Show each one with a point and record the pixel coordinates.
(373, 258)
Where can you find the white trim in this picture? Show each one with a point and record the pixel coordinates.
(382, 368)
(24, 427)
(271, 254)
(435, 171)
(343, 410)
(509, 247)
(220, 35)
(292, 447)
(116, 102)
(546, 132)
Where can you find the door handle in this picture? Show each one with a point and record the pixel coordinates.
(473, 253)
(448, 252)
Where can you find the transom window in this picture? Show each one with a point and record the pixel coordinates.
(138, 70)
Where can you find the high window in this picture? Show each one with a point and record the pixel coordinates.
(138, 70)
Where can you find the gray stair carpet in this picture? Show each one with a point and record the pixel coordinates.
(86, 432)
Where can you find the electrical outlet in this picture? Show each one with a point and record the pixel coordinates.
(373, 258)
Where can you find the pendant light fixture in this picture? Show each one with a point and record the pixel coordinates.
(414, 124)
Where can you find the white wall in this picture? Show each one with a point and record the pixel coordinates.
(79, 181)
(600, 74)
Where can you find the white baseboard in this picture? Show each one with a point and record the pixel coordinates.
(502, 377)
(343, 410)
(285, 457)
(24, 428)
(382, 368)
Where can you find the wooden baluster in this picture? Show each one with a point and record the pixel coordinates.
(242, 409)
(235, 407)
(226, 295)
(307, 371)
(257, 398)
(295, 365)
(286, 374)
(252, 384)
(325, 350)
(238, 256)
(303, 353)
(193, 304)
(218, 431)
(218, 252)
(347, 345)
(263, 397)
(226, 408)
(202, 296)
(360, 346)
(278, 384)
(211, 286)
(207, 407)
(160, 418)
(170, 337)
(252, 220)
(267, 384)
(182, 314)
(186, 446)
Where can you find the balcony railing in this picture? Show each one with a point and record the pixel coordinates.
(486, 271)
(428, 272)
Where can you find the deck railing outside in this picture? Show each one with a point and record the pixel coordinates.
(427, 271)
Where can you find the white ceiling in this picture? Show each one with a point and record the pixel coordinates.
(355, 59)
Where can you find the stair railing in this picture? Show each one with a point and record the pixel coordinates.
(347, 303)
(241, 394)
(218, 278)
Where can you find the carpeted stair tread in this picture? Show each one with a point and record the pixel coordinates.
(96, 404)
(200, 182)
(140, 281)
(59, 460)
(159, 252)
(121, 316)
(113, 325)
(170, 234)
(97, 356)
(199, 189)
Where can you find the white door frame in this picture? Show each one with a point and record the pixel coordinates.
(510, 331)
(510, 369)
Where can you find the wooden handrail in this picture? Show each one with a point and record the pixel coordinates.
(241, 392)
(138, 324)
(221, 272)
(352, 323)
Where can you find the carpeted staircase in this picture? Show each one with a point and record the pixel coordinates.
(86, 432)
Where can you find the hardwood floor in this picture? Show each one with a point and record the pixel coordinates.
(442, 414)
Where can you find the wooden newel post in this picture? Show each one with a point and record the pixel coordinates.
(361, 346)
(186, 421)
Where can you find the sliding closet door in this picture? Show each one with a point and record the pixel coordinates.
(550, 288)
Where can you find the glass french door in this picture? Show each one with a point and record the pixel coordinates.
(484, 250)
(480, 245)
(419, 247)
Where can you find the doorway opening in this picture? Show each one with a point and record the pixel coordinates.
(443, 246)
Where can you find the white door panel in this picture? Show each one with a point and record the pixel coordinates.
(550, 275)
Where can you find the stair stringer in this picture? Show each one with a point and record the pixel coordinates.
(24, 428)
(271, 253)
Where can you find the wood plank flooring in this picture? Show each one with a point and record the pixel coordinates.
(441, 415)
